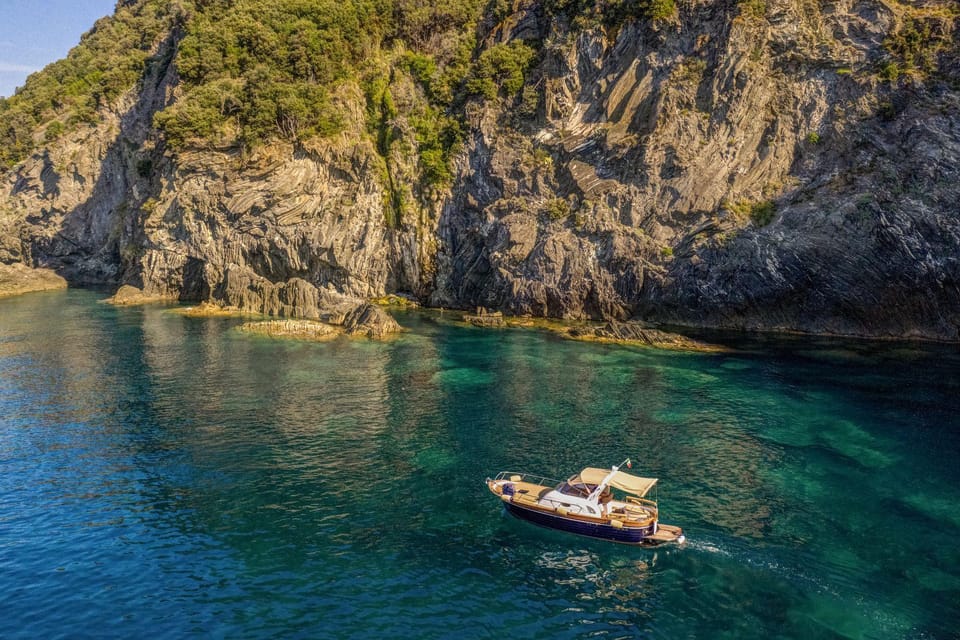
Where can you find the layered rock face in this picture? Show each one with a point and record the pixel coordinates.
(629, 191)
(739, 164)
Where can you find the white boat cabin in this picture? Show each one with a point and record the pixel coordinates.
(589, 493)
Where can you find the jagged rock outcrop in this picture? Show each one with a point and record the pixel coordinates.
(738, 164)
(369, 321)
(364, 320)
(262, 234)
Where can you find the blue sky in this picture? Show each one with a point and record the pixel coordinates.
(34, 33)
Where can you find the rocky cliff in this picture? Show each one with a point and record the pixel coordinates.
(788, 165)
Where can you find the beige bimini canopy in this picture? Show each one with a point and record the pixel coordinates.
(625, 481)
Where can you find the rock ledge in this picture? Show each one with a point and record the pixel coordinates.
(18, 278)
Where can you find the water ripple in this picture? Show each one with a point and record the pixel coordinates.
(170, 477)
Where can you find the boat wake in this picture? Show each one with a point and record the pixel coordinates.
(706, 547)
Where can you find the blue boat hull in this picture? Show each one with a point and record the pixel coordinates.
(634, 536)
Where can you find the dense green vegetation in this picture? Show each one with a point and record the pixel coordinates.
(261, 70)
(250, 71)
(67, 94)
(501, 69)
(258, 70)
(265, 70)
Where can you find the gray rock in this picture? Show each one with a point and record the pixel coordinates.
(485, 318)
(128, 295)
(370, 321)
(622, 191)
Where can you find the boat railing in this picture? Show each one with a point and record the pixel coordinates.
(515, 476)
(648, 505)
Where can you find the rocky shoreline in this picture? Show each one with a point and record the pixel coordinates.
(365, 321)
(666, 171)
(638, 333)
(208, 310)
(17, 279)
(627, 333)
(370, 320)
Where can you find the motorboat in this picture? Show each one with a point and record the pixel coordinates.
(608, 504)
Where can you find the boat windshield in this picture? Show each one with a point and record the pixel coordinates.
(577, 489)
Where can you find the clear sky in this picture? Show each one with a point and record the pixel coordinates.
(34, 33)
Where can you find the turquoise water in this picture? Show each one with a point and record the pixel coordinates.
(170, 477)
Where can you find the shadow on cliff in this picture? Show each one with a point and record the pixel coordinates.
(93, 240)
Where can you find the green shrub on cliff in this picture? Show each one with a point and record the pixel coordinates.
(53, 131)
(660, 9)
(436, 135)
(753, 8)
(920, 34)
(762, 213)
(557, 208)
(500, 70)
(759, 213)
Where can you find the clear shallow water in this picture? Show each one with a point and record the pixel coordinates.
(168, 477)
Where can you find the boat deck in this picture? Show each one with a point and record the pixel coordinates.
(665, 533)
(529, 492)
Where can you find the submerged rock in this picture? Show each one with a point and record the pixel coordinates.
(395, 300)
(364, 320)
(485, 318)
(639, 333)
(209, 310)
(299, 329)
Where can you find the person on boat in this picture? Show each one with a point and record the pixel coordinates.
(605, 496)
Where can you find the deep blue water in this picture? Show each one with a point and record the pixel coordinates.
(165, 476)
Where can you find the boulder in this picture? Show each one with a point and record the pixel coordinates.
(128, 295)
(370, 321)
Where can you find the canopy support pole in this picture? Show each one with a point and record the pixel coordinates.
(595, 494)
